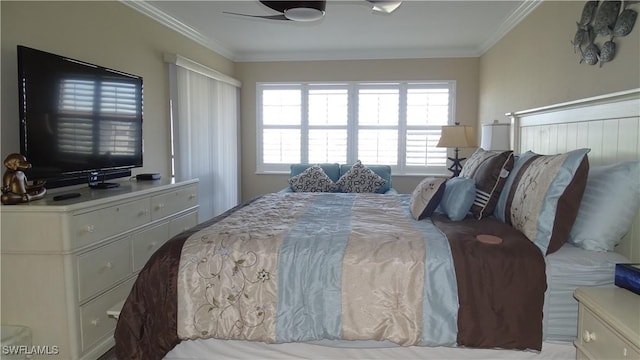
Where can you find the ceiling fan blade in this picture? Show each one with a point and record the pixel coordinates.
(384, 6)
(268, 17)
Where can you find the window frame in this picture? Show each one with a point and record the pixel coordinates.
(352, 126)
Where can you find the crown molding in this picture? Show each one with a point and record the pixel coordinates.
(175, 24)
(377, 54)
(512, 20)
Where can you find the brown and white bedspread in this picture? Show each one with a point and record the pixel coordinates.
(310, 266)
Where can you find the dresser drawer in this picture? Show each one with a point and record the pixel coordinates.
(101, 268)
(95, 324)
(99, 224)
(580, 355)
(145, 243)
(182, 223)
(600, 341)
(173, 202)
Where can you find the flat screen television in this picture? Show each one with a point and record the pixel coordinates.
(79, 122)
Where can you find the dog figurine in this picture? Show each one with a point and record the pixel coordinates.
(15, 188)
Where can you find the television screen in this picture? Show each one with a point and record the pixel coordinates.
(76, 117)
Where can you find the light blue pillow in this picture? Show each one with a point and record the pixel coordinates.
(609, 206)
(459, 194)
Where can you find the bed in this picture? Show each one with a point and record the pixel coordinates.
(393, 284)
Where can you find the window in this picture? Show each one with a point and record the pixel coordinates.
(396, 124)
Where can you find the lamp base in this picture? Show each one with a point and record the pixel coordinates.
(456, 167)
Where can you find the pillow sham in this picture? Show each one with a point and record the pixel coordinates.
(331, 169)
(426, 197)
(458, 197)
(360, 179)
(543, 196)
(384, 171)
(313, 179)
(490, 170)
(609, 206)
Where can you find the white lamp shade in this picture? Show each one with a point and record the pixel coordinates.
(496, 137)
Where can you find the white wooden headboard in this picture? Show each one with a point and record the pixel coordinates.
(609, 125)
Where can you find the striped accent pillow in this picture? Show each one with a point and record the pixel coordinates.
(489, 169)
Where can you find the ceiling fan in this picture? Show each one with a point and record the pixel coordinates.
(312, 10)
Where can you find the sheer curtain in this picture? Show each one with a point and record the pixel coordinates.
(204, 120)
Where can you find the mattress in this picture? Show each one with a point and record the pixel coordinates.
(567, 269)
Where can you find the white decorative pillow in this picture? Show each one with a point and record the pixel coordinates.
(426, 197)
(609, 206)
(314, 179)
(360, 179)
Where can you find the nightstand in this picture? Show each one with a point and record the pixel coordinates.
(608, 323)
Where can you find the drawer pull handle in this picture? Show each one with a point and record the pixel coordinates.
(588, 336)
(153, 245)
(108, 265)
(90, 228)
(160, 207)
(95, 322)
(192, 196)
(144, 212)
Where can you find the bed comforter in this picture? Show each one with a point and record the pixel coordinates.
(311, 266)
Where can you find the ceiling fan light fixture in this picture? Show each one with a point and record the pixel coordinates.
(303, 14)
(385, 6)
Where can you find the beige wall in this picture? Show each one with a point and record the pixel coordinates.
(534, 64)
(106, 33)
(463, 70)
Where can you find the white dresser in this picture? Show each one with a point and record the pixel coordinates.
(65, 263)
(608, 323)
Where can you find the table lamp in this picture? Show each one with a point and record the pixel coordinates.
(495, 136)
(456, 136)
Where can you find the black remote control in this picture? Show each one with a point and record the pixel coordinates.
(66, 196)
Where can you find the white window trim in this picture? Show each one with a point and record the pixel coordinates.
(352, 127)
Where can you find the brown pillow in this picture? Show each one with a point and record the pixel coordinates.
(489, 169)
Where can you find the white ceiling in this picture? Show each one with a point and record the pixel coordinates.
(349, 30)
